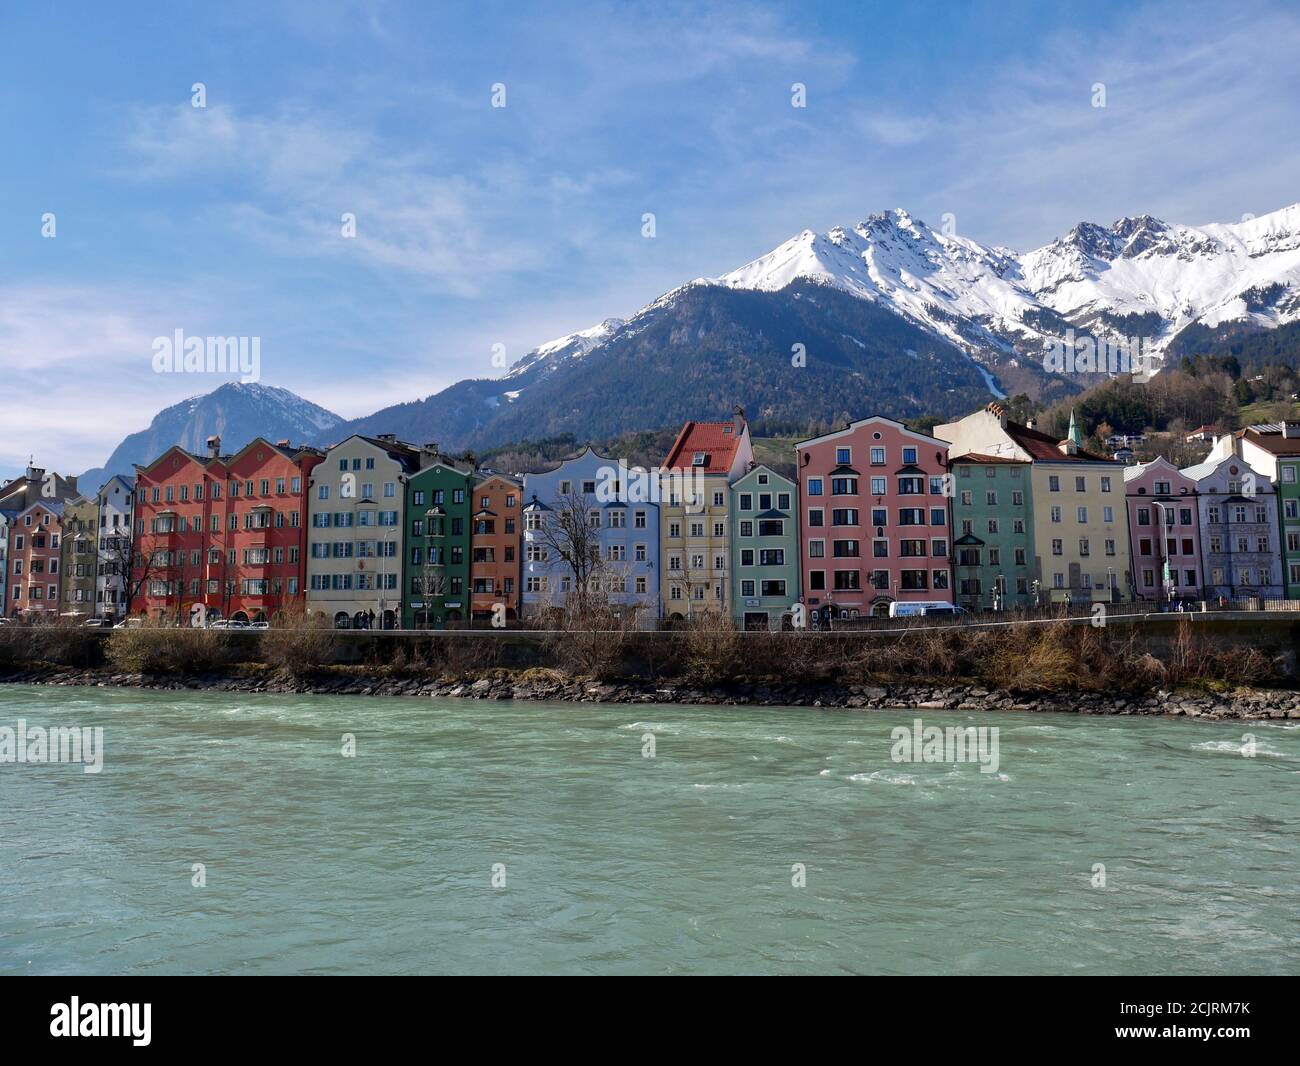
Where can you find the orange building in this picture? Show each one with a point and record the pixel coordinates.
(494, 547)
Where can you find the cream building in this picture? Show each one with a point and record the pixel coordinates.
(355, 534)
(694, 515)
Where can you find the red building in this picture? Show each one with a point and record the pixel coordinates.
(227, 532)
(874, 521)
(33, 585)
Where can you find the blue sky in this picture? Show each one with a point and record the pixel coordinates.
(479, 226)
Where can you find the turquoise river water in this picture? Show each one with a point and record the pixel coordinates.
(612, 862)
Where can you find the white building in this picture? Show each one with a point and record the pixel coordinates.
(112, 578)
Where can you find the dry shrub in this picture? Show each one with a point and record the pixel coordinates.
(918, 653)
(66, 643)
(156, 648)
(69, 643)
(15, 645)
(299, 642)
(792, 657)
(590, 643)
(1043, 659)
(714, 649)
(458, 655)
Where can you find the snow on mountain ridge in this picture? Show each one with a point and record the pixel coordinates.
(981, 297)
(996, 303)
(572, 345)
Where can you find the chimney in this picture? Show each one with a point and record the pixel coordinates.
(738, 423)
(283, 443)
(1291, 429)
(214, 446)
(1031, 422)
(387, 438)
(999, 412)
(35, 473)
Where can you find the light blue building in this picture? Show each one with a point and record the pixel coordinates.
(621, 505)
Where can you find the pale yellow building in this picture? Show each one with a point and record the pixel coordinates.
(694, 516)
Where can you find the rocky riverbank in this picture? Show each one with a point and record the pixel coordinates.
(1240, 703)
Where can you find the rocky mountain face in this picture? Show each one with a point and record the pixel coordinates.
(237, 412)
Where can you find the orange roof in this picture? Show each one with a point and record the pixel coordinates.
(716, 441)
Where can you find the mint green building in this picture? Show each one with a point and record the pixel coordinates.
(439, 501)
(993, 530)
(1288, 491)
(764, 549)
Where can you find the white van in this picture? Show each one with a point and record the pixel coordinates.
(917, 608)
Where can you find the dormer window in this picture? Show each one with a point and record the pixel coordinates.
(699, 459)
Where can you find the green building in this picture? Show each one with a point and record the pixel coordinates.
(764, 549)
(1288, 491)
(439, 502)
(993, 527)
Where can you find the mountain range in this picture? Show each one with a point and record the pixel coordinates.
(887, 316)
(236, 412)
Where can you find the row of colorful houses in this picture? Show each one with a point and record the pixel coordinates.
(984, 513)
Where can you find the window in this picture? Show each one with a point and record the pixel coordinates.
(814, 486)
(877, 456)
(909, 456)
(843, 456)
(848, 580)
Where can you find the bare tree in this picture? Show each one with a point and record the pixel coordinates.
(568, 533)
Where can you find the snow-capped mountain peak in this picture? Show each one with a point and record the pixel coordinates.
(571, 346)
(991, 299)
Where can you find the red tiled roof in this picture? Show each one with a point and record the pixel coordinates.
(1041, 446)
(717, 440)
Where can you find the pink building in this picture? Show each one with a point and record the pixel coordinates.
(874, 519)
(1163, 528)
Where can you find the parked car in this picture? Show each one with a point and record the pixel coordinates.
(97, 623)
(6, 621)
(259, 625)
(946, 610)
(129, 623)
